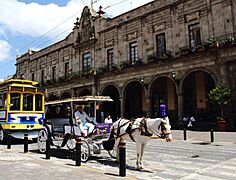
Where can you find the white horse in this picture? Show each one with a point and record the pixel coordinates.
(139, 130)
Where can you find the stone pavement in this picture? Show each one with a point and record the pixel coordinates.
(195, 158)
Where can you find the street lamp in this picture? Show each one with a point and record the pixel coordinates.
(173, 75)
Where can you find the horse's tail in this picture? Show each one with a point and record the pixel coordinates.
(111, 134)
(109, 144)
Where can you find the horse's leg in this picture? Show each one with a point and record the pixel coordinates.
(141, 156)
(138, 151)
(116, 148)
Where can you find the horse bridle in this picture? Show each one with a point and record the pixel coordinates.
(163, 128)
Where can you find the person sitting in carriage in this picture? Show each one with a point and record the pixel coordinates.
(83, 120)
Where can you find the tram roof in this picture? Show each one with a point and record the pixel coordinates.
(81, 99)
(18, 81)
(22, 83)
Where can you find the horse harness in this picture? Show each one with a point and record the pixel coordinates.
(142, 127)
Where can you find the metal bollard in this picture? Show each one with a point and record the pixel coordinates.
(185, 134)
(122, 160)
(78, 152)
(47, 149)
(212, 135)
(9, 138)
(25, 143)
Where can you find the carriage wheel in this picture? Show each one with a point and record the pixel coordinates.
(85, 151)
(112, 153)
(71, 143)
(41, 141)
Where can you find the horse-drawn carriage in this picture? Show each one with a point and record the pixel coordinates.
(61, 129)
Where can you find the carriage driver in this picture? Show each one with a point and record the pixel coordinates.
(83, 120)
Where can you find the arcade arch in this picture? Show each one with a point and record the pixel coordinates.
(195, 88)
(112, 108)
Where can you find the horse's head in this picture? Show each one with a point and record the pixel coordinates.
(165, 129)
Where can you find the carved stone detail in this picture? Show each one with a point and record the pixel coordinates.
(192, 16)
(132, 36)
(87, 30)
(159, 27)
(109, 43)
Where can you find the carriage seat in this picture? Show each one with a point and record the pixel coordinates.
(58, 124)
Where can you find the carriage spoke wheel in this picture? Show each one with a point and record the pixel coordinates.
(71, 143)
(85, 151)
(41, 141)
(112, 153)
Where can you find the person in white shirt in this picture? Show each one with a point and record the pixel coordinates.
(83, 120)
(108, 120)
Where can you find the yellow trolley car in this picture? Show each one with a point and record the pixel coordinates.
(21, 108)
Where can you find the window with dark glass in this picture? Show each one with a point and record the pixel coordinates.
(15, 102)
(42, 76)
(160, 45)
(33, 76)
(110, 57)
(38, 102)
(194, 35)
(3, 97)
(54, 73)
(27, 102)
(133, 52)
(67, 69)
(86, 62)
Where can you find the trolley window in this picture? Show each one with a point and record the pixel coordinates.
(2, 100)
(27, 102)
(15, 101)
(38, 102)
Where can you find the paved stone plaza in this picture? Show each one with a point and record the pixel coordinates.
(195, 158)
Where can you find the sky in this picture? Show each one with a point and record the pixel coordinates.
(36, 24)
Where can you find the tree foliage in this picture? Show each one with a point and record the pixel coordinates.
(221, 96)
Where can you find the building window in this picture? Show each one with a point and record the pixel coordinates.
(54, 73)
(194, 35)
(67, 69)
(33, 77)
(110, 57)
(160, 45)
(86, 62)
(133, 53)
(42, 77)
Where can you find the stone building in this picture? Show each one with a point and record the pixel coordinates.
(174, 51)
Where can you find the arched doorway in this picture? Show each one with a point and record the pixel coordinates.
(195, 88)
(163, 90)
(85, 92)
(112, 108)
(133, 97)
(65, 95)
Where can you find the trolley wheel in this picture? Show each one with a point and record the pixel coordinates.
(3, 136)
(41, 141)
(71, 143)
(112, 153)
(85, 151)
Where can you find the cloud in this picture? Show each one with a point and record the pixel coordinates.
(5, 50)
(34, 19)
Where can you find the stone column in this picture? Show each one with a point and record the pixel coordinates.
(180, 108)
(122, 107)
(149, 106)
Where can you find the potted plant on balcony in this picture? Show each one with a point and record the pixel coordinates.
(221, 96)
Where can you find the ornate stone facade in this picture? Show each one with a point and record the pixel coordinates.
(171, 50)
